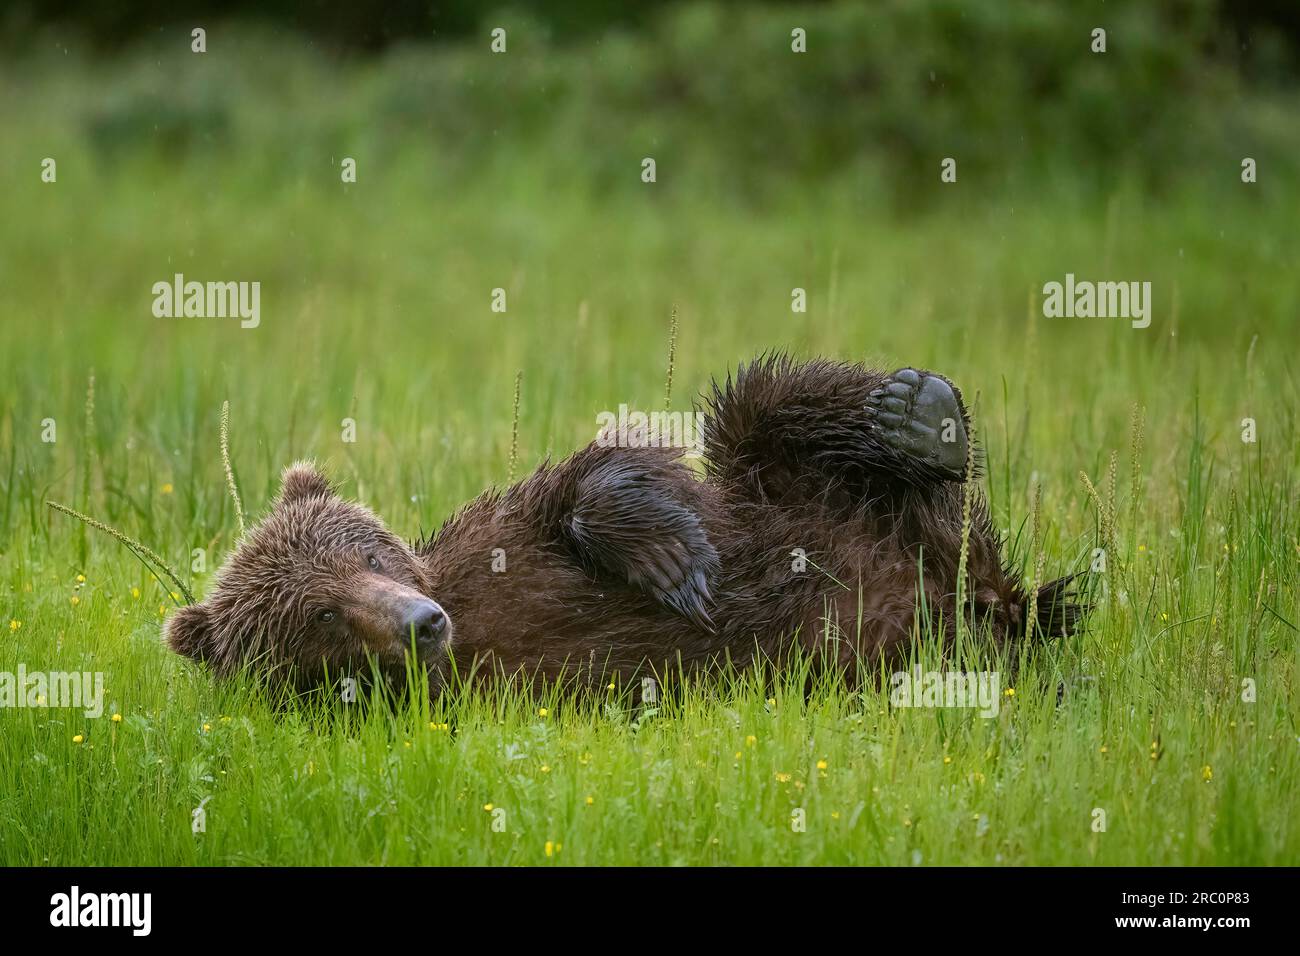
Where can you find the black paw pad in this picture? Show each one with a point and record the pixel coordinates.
(919, 414)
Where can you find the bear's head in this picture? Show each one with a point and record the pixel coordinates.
(319, 589)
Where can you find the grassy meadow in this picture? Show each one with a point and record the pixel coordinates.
(1182, 725)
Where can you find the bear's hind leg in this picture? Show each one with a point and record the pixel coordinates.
(920, 415)
(780, 429)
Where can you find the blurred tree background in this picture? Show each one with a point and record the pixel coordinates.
(886, 90)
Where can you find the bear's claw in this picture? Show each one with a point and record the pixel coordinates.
(919, 414)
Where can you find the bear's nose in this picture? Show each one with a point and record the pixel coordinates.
(426, 621)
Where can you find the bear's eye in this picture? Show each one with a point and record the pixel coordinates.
(325, 616)
(374, 562)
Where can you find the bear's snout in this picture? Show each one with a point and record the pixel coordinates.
(389, 616)
(426, 621)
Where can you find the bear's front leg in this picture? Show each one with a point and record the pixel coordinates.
(630, 517)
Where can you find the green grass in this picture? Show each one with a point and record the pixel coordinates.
(375, 306)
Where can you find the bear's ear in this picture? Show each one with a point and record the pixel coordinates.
(303, 480)
(188, 631)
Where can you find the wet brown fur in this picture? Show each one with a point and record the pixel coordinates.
(622, 562)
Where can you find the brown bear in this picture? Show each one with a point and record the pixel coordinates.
(829, 512)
